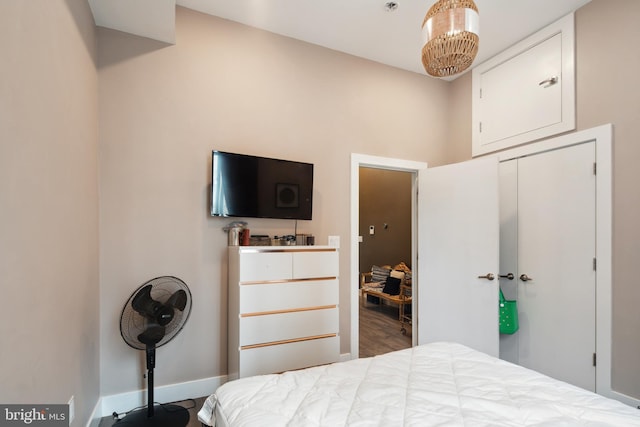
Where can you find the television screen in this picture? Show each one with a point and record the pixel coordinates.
(260, 187)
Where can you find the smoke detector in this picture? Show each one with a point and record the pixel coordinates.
(390, 6)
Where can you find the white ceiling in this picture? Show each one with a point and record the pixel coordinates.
(362, 28)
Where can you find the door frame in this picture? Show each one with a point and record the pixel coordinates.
(603, 138)
(388, 163)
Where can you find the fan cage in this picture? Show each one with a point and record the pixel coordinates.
(133, 323)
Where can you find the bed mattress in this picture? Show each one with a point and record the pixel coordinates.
(438, 384)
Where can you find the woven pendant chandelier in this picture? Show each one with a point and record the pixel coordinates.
(450, 31)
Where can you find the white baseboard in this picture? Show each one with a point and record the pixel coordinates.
(124, 402)
(94, 419)
(628, 400)
(344, 357)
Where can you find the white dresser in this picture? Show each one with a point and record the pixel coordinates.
(283, 308)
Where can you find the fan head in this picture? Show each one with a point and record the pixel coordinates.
(155, 312)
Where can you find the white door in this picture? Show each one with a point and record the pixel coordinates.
(458, 230)
(556, 250)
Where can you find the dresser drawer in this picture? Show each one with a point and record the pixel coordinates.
(284, 296)
(287, 326)
(265, 266)
(289, 356)
(315, 264)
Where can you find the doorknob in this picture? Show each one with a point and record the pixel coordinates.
(525, 278)
(509, 276)
(488, 276)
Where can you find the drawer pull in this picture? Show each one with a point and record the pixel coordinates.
(275, 282)
(268, 344)
(290, 310)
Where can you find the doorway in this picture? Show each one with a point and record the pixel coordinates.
(385, 242)
(358, 161)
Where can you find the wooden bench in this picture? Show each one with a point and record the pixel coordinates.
(401, 299)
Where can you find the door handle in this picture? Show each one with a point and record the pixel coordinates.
(549, 82)
(488, 276)
(525, 278)
(509, 276)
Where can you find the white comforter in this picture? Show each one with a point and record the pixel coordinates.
(440, 384)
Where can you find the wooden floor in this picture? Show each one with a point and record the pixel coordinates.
(192, 405)
(380, 329)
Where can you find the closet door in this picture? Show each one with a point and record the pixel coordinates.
(556, 250)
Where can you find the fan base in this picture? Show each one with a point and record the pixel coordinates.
(164, 416)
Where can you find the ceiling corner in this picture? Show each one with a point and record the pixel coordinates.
(153, 19)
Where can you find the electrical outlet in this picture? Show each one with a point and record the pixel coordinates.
(72, 410)
(334, 241)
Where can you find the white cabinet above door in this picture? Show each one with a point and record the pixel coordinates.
(526, 92)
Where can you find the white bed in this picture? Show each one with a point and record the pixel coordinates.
(439, 384)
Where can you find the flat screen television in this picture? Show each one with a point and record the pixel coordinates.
(260, 187)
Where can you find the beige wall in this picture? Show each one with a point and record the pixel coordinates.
(459, 145)
(607, 91)
(385, 198)
(230, 87)
(49, 204)
(607, 36)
